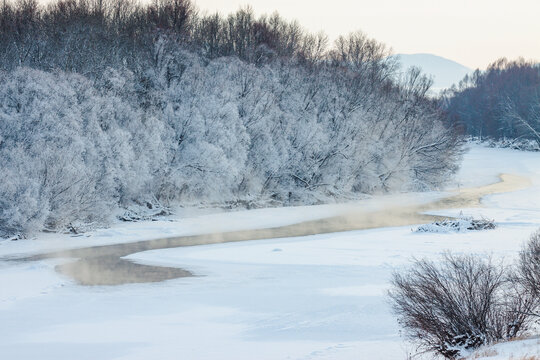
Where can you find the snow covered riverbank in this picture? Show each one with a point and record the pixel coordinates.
(315, 297)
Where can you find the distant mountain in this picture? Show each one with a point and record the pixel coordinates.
(445, 72)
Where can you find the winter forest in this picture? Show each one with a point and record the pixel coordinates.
(501, 102)
(177, 183)
(112, 105)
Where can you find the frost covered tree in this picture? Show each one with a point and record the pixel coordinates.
(111, 105)
(69, 153)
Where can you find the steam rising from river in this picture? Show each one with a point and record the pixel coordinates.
(104, 265)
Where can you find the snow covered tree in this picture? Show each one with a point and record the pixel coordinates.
(105, 106)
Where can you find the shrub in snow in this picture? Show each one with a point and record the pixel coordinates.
(147, 211)
(529, 268)
(460, 224)
(458, 305)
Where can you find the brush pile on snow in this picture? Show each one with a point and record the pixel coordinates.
(460, 224)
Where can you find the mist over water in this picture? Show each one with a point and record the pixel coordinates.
(104, 265)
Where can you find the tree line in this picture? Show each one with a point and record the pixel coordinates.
(501, 102)
(112, 105)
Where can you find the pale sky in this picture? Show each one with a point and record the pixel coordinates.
(474, 32)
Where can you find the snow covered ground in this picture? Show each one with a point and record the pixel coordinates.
(314, 297)
(528, 349)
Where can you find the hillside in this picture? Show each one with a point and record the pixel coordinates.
(445, 72)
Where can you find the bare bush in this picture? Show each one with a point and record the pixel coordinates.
(459, 305)
(529, 267)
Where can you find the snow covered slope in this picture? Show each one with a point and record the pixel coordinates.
(527, 349)
(445, 72)
(315, 297)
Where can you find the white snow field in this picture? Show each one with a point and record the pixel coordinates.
(313, 297)
(515, 350)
